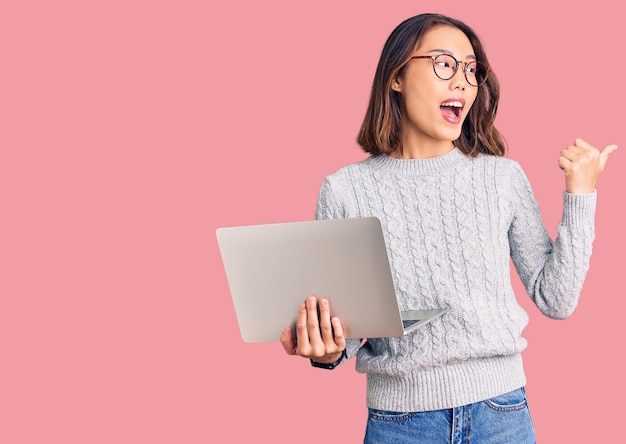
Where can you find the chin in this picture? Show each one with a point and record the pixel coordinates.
(451, 136)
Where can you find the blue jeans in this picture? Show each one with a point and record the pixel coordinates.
(501, 420)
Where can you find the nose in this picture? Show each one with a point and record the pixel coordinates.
(459, 80)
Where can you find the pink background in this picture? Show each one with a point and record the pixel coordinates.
(131, 130)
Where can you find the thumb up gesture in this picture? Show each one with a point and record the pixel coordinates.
(582, 164)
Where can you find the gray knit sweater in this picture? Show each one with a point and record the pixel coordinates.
(452, 224)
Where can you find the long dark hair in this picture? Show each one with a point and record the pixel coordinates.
(381, 131)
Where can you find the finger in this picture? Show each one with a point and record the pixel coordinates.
(339, 335)
(573, 151)
(313, 325)
(286, 339)
(302, 333)
(605, 153)
(564, 163)
(325, 324)
(570, 154)
(583, 144)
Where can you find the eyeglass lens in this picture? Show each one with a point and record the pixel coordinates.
(446, 66)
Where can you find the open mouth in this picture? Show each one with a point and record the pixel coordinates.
(451, 110)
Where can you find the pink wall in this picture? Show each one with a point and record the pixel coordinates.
(130, 131)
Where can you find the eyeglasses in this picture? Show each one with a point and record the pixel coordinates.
(446, 66)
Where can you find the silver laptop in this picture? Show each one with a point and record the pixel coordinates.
(272, 268)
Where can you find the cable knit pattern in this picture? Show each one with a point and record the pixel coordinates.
(452, 223)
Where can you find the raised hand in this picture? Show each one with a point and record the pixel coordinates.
(582, 164)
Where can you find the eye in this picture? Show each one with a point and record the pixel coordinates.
(445, 61)
(471, 68)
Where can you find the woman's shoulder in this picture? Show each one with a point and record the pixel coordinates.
(502, 161)
(348, 171)
(500, 164)
(507, 172)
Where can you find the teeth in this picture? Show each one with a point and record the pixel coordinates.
(454, 104)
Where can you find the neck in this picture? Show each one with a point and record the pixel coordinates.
(420, 166)
(422, 149)
(422, 152)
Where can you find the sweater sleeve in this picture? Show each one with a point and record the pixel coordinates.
(330, 207)
(552, 272)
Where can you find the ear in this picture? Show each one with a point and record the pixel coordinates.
(396, 85)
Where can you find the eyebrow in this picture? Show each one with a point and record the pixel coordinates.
(445, 51)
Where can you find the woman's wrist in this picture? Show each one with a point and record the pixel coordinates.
(331, 361)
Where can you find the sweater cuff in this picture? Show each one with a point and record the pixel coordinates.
(579, 209)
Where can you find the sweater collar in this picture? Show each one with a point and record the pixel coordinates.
(431, 165)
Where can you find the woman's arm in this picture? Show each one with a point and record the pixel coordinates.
(554, 272)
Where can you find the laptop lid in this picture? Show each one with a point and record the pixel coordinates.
(272, 268)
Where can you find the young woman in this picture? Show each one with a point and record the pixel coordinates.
(454, 211)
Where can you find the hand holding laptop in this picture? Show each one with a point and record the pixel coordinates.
(319, 338)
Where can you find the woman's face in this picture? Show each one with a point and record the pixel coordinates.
(434, 109)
